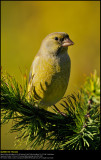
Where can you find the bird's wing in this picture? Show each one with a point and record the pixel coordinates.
(33, 69)
(30, 76)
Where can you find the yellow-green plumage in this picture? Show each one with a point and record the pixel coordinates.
(50, 71)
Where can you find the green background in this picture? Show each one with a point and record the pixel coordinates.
(24, 25)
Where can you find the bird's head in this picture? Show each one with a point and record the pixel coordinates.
(55, 42)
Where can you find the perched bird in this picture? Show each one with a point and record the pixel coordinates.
(50, 70)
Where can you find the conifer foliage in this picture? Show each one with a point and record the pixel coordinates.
(77, 129)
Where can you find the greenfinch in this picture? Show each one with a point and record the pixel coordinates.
(50, 70)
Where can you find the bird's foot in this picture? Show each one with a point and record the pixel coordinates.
(59, 111)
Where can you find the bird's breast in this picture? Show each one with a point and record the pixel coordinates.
(51, 78)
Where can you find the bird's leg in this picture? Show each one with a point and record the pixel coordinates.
(59, 111)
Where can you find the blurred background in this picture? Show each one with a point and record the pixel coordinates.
(24, 25)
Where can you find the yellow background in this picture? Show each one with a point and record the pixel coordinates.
(24, 25)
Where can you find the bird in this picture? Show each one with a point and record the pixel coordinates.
(50, 70)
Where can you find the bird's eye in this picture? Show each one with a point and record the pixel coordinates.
(56, 38)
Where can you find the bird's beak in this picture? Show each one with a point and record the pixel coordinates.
(67, 42)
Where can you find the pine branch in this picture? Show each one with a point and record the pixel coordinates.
(77, 128)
